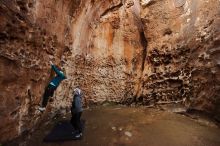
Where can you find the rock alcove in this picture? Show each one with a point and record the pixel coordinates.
(143, 52)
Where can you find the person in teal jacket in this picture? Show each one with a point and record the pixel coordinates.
(54, 83)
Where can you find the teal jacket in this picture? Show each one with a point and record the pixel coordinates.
(59, 77)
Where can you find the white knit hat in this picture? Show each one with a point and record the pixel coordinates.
(77, 91)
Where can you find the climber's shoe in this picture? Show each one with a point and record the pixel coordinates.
(41, 109)
(79, 135)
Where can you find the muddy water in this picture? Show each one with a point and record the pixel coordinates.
(123, 126)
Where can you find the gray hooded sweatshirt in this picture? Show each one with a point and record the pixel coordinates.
(77, 101)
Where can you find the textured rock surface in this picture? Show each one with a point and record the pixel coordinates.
(129, 51)
(182, 56)
(28, 40)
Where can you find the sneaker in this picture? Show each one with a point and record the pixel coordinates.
(41, 109)
(78, 135)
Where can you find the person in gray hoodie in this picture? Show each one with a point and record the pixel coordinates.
(76, 111)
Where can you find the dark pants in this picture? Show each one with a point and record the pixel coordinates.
(76, 122)
(49, 91)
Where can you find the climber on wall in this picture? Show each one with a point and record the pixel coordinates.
(54, 83)
(76, 111)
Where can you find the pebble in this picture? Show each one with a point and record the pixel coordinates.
(114, 128)
(127, 133)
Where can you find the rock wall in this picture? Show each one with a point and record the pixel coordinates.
(182, 62)
(106, 51)
(28, 40)
(128, 51)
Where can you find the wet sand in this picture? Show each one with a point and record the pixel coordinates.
(125, 126)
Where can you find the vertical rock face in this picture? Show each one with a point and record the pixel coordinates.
(182, 58)
(97, 42)
(31, 34)
(127, 51)
(106, 50)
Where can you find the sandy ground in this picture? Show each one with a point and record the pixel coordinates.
(123, 126)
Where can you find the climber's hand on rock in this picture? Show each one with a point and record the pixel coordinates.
(51, 63)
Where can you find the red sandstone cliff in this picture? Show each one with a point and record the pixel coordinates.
(127, 51)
